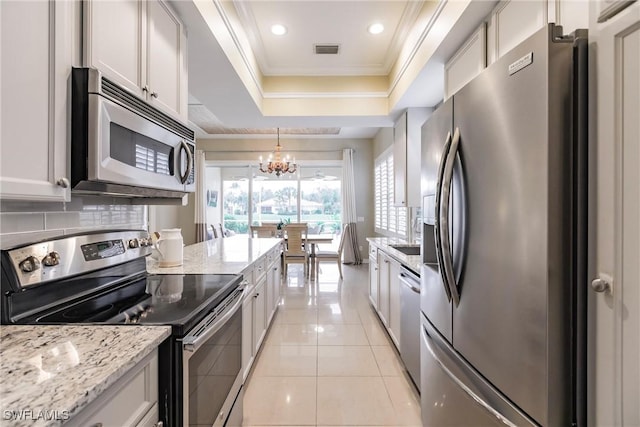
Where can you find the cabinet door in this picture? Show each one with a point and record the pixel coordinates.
(247, 336)
(400, 161)
(37, 49)
(394, 301)
(259, 315)
(275, 284)
(373, 282)
(166, 47)
(116, 49)
(383, 287)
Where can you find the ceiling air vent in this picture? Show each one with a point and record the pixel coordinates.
(326, 49)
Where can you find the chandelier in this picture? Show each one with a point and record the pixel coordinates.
(277, 164)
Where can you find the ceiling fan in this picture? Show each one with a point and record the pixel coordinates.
(320, 176)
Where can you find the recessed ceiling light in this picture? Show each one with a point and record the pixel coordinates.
(376, 28)
(278, 29)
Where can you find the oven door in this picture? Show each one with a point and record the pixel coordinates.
(212, 367)
(126, 148)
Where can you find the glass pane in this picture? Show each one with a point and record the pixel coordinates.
(274, 199)
(235, 195)
(320, 201)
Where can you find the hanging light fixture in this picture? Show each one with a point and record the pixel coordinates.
(277, 164)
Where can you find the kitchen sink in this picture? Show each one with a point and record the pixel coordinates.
(407, 250)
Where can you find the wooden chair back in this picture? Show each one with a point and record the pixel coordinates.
(263, 230)
(296, 234)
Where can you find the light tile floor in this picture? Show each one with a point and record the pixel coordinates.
(327, 361)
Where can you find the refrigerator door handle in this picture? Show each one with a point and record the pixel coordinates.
(443, 215)
(434, 350)
(437, 233)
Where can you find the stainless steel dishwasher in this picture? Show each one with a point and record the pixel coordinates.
(410, 323)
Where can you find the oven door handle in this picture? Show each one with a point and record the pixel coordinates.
(210, 325)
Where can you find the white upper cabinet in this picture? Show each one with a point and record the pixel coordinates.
(467, 62)
(37, 40)
(513, 21)
(145, 52)
(406, 156)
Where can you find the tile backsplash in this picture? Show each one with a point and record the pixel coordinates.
(25, 222)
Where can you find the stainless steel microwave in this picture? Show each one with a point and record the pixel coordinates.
(122, 146)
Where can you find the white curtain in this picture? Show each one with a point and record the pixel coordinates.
(201, 198)
(351, 253)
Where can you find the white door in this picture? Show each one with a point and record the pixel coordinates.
(614, 316)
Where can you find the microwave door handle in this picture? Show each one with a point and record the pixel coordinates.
(185, 147)
(437, 233)
(445, 206)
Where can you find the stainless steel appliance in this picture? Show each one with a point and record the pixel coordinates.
(503, 279)
(100, 278)
(122, 146)
(410, 323)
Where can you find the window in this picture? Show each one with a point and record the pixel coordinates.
(389, 220)
(311, 195)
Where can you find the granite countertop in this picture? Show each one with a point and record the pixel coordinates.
(50, 373)
(229, 255)
(384, 243)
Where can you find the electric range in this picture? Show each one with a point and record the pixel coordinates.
(101, 278)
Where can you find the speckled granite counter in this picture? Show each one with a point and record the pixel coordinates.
(55, 371)
(230, 255)
(411, 261)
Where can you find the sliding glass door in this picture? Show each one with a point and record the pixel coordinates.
(311, 195)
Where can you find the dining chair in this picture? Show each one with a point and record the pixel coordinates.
(296, 247)
(211, 232)
(263, 230)
(323, 256)
(217, 229)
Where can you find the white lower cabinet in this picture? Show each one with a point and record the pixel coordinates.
(259, 314)
(273, 285)
(384, 268)
(387, 285)
(394, 302)
(259, 305)
(373, 276)
(131, 402)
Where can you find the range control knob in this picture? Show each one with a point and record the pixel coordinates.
(29, 264)
(52, 258)
(133, 243)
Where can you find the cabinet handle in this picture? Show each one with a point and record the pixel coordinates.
(256, 295)
(97, 425)
(145, 88)
(158, 424)
(154, 94)
(63, 182)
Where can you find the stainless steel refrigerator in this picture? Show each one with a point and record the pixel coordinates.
(503, 279)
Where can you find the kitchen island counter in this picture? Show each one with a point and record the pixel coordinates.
(230, 255)
(50, 373)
